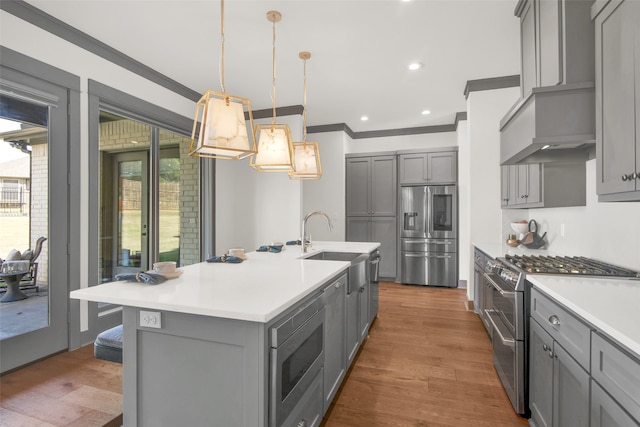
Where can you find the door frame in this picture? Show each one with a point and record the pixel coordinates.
(37, 82)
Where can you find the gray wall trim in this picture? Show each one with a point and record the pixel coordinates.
(291, 110)
(336, 127)
(39, 18)
(491, 83)
(25, 64)
(460, 116)
(139, 109)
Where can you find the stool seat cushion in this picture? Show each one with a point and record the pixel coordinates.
(108, 345)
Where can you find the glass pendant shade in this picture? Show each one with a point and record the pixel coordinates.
(307, 161)
(221, 128)
(275, 149)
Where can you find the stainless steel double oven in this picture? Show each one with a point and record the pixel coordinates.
(296, 355)
(507, 314)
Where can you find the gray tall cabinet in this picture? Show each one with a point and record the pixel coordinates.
(371, 196)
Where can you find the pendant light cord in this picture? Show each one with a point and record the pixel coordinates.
(273, 92)
(221, 65)
(304, 102)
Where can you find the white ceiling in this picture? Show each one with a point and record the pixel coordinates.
(360, 50)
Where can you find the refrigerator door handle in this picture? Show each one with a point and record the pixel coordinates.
(424, 255)
(427, 208)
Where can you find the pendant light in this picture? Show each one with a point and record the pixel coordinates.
(306, 154)
(275, 145)
(220, 124)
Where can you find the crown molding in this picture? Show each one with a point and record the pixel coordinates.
(491, 83)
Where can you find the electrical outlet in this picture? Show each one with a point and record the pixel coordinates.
(150, 319)
(561, 230)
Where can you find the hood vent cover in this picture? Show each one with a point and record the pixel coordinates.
(553, 124)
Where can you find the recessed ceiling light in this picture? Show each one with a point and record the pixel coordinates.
(426, 112)
(364, 118)
(415, 66)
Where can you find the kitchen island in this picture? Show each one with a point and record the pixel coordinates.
(203, 354)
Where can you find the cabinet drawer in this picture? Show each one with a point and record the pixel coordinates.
(616, 372)
(308, 411)
(480, 257)
(606, 412)
(571, 333)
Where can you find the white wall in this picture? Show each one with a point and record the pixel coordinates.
(608, 232)
(484, 111)
(327, 194)
(464, 178)
(406, 142)
(254, 208)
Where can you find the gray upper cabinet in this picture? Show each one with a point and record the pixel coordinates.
(617, 100)
(547, 185)
(556, 43)
(438, 167)
(371, 186)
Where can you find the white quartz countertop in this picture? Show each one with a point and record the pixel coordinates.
(611, 305)
(257, 289)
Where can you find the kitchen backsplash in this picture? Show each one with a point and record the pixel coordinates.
(608, 232)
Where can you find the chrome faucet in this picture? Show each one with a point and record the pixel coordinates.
(306, 244)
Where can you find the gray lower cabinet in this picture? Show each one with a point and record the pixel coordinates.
(540, 185)
(363, 312)
(617, 372)
(617, 100)
(605, 412)
(377, 229)
(335, 338)
(578, 376)
(558, 386)
(353, 326)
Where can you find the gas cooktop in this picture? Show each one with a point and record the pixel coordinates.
(579, 266)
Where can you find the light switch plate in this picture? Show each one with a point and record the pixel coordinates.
(150, 319)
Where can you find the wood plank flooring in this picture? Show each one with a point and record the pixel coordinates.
(427, 362)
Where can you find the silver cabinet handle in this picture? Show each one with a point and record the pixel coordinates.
(338, 284)
(633, 176)
(551, 355)
(302, 423)
(554, 320)
(545, 347)
(625, 177)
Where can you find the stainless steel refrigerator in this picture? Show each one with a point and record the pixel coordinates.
(428, 239)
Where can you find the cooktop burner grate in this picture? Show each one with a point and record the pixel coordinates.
(540, 264)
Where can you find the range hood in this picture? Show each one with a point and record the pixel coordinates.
(552, 124)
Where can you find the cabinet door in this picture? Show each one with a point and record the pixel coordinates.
(358, 229)
(363, 312)
(358, 187)
(335, 338)
(413, 168)
(514, 191)
(605, 412)
(442, 168)
(384, 230)
(353, 333)
(528, 49)
(534, 183)
(616, 76)
(570, 391)
(550, 42)
(504, 186)
(383, 185)
(540, 375)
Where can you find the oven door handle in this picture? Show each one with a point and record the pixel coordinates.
(509, 342)
(503, 292)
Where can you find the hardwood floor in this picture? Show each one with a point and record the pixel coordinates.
(71, 389)
(427, 362)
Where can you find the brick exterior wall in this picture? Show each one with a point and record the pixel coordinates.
(40, 208)
(116, 137)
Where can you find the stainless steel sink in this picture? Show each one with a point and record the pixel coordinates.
(335, 256)
(357, 275)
